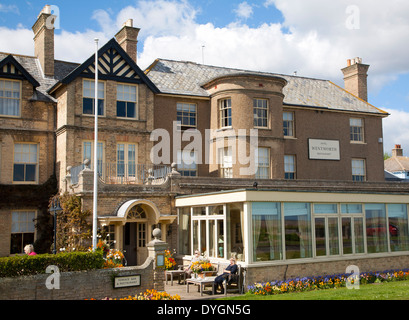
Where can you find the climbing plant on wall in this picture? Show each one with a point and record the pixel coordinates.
(74, 229)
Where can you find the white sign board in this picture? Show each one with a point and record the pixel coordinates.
(323, 149)
(127, 281)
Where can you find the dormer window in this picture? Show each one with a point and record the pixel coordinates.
(10, 98)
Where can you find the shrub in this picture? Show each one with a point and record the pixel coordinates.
(30, 265)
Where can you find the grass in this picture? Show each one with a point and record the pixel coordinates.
(395, 290)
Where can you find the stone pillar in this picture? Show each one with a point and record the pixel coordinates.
(156, 248)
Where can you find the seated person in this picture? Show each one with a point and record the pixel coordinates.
(231, 269)
(188, 269)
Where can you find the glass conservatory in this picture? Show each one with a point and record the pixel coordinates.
(273, 227)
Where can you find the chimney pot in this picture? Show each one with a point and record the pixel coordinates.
(398, 151)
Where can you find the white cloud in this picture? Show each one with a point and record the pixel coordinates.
(9, 8)
(395, 130)
(19, 40)
(244, 10)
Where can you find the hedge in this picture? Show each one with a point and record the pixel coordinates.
(29, 265)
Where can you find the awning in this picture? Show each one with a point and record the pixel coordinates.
(122, 212)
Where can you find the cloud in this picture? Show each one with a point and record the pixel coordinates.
(244, 10)
(395, 130)
(19, 40)
(9, 8)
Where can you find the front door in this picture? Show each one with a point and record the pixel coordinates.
(130, 251)
(141, 249)
(135, 239)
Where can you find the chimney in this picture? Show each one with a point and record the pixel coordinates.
(355, 78)
(43, 30)
(127, 38)
(398, 151)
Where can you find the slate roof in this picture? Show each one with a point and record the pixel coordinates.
(187, 78)
(32, 66)
(397, 164)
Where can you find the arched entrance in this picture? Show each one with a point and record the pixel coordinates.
(132, 227)
(135, 236)
(140, 216)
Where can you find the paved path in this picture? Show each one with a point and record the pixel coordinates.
(193, 293)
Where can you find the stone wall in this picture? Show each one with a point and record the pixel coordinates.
(80, 285)
(265, 273)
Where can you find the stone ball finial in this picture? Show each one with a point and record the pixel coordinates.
(157, 233)
(87, 163)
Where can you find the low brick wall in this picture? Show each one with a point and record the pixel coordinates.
(81, 285)
(265, 273)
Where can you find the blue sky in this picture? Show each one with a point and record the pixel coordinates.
(312, 37)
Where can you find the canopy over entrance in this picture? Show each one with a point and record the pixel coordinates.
(125, 213)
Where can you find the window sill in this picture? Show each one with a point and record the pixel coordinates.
(357, 142)
(32, 183)
(290, 138)
(92, 115)
(128, 119)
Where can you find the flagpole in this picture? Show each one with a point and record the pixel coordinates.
(94, 210)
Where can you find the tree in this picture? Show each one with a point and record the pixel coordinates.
(386, 156)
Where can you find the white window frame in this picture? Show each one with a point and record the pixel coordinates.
(263, 163)
(226, 162)
(358, 170)
(186, 110)
(224, 117)
(101, 156)
(24, 226)
(12, 97)
(187, 161)
(123, 96)
(36, 162)
(290, 165)
(89, 93)
(356, 124)
(289, 120)
(126, 161)
(260, 104)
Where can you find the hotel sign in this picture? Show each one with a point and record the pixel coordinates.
(323, 149)
(127, 281)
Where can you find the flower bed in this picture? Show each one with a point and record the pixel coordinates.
(149, 295)
(325, 282)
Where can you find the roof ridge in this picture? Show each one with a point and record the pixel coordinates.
(233, 68)
(17, 55)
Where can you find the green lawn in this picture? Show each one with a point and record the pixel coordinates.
(396, 290)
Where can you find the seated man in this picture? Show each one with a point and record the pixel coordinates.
(231, 269)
